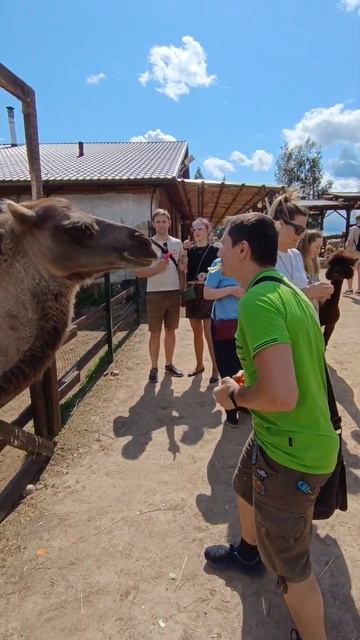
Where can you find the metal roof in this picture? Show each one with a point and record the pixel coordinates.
(217, 200)
(60, 162)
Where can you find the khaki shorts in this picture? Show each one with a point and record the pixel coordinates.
(283, 501)
(163, 306)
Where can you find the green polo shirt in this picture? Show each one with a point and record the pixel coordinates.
(271, 313)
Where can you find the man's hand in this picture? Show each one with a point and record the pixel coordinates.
(221, 393)
(319, 290)
(237, 291)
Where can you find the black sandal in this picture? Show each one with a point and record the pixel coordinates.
(195, 373)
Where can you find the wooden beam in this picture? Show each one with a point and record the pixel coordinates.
(239, 191)
(13, 84)
(25, 441)
(222, 184)
(187, 199)
(14, 490)
(254, 199)
(202, 199)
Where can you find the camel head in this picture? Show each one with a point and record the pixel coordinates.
(69, 244)
(340, 266)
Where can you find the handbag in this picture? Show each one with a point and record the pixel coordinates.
(188, 293)
(333, 494)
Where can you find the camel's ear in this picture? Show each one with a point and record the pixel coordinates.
(22, 216)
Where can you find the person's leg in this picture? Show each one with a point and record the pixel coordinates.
(169, 345)
(246, 521)
(208, 337)
(196, 326)
(306, 607)
(358, 277)
(154, 348)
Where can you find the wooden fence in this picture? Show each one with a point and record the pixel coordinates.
(119, 313)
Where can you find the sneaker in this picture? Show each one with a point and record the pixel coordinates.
(348, 292)
(153, 375)
(173, 371)
(228, 558)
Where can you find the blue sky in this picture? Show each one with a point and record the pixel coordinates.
(234, 79)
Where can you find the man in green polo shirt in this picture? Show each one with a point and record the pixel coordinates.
(294, 447)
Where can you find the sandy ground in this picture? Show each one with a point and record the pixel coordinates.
(111, 543)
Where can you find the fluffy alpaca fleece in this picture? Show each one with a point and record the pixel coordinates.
(340, 267)
(47, 249)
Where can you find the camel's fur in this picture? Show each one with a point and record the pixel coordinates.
(340, 266)
(47, 249)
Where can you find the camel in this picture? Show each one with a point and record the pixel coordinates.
(48, 248)
(340, 266)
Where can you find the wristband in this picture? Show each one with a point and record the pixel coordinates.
(232, 398)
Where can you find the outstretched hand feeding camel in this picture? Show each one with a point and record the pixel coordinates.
(47, 249)
(340, 266)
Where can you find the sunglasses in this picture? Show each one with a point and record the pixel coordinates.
(298, 228)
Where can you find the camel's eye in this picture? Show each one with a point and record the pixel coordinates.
(80, 233)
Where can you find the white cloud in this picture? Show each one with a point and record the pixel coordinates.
(153, 136)
(95, 78)
(260, 160)
(328, 126)
(347, 165)
(344, 184)
(350, 5)
(177, 69)
(218, 167)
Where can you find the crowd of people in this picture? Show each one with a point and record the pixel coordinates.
(252, 299)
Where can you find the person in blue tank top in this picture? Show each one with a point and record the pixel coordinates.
(225, 291)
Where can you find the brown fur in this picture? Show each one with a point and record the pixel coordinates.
(340, 266)
(47, 249)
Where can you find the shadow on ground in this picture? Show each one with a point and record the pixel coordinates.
(159, 408)
(264, 615)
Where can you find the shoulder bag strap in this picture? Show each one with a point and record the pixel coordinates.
(163, 251)
(201, 261)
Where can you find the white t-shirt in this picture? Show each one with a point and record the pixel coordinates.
(353, 238)
(290, 264)
(167, 280)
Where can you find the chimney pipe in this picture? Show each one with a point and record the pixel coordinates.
(81, 149)
(11, 120)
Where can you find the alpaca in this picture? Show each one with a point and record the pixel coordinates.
(340, 266)
(48, 248)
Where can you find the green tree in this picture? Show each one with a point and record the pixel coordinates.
(301, 166)
(199, 174)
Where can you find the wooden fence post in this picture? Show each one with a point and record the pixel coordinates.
(109, 324)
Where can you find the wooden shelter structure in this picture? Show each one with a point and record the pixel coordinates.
(217, 200)
(342, 203)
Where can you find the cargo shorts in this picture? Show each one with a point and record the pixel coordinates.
(283, 501)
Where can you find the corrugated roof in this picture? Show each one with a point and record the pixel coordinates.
(101, 161)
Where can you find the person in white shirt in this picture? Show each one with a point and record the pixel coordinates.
(352, 246)
(163, 293)
(290, 219)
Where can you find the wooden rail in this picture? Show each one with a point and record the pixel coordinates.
(125, 307)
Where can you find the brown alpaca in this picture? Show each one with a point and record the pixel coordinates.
(47, 249)
(340, 266)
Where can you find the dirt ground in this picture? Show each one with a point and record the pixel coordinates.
(111, 543)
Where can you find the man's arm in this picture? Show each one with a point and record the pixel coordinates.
(276, 388)
(157, 267)
(318, 290)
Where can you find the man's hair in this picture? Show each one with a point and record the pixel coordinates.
(259, 231)
(286, 206)
(160, 212)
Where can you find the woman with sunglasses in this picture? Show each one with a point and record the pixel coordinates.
(200, 257)
(290, 218)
